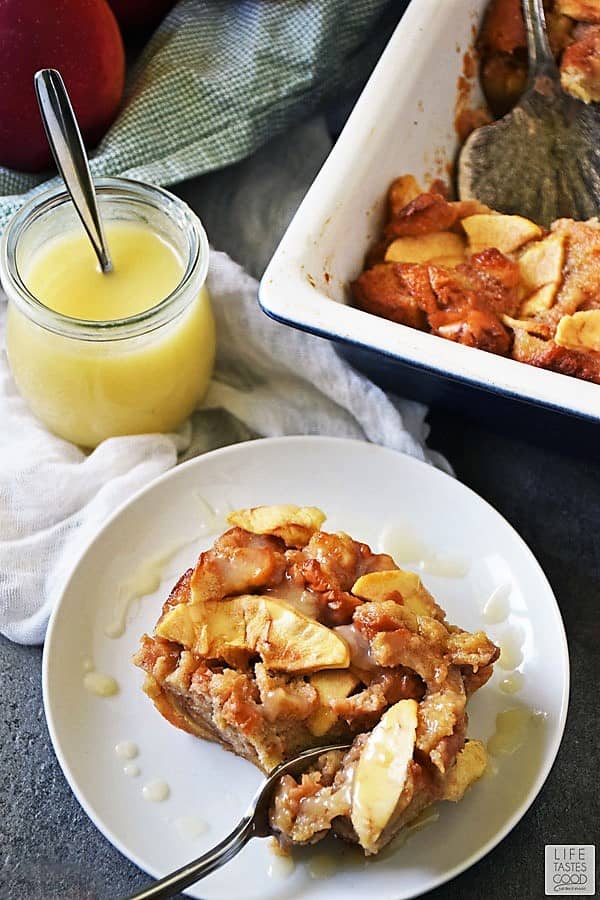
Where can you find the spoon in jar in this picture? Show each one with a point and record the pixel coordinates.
(255, 823)
(541, 160)
(71, 160)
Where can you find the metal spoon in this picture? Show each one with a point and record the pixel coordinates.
(69, 154)
(542, 160)
(255, 823)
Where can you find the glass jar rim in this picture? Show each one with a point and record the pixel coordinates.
(196, 263)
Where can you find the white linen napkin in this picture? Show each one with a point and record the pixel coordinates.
(269, 380)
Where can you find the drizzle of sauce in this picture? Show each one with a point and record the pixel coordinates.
(512, 684)
(402, 545)
(511, 649)
(148, 576)
(281, 867)
(360, 649)
(145, 580)
(426, 817)
(156, 791)
(191, 827)
(214, 520)
(497, 607)
(352, 857)
(131, 770)
(100, 684)
(405, 547)
(446, 567)
(302, 599)
(491, 769)
(512, 727)
(398, 841)
(127, 750)
(322, 865)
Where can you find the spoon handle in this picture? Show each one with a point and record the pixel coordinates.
(67, 148)
(175, 882)
(541, 58)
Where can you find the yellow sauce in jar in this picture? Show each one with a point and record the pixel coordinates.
(86, 390)
(65, 276)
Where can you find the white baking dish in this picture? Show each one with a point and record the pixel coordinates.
(402, 123)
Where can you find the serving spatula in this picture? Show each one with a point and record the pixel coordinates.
(541, 160)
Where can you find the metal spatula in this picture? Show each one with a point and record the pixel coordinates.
(542, 160)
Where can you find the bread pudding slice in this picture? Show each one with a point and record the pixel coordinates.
(367, 795)
(285, 637)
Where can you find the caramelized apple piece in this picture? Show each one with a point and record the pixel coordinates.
(238, 562)
(505, 233)
(247, 625)
(331, 685)
(540, 300)
(542, 262)
(384, 585)
(581, 331)
(295, 525)
(435, 247)
(381, 773)
(532, 326)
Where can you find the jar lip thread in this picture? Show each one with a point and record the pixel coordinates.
(125, 189)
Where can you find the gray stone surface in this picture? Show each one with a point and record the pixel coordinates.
(51, 850)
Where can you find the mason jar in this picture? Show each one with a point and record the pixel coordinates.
(91, 380)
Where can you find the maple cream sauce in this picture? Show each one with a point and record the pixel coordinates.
(191, 827)
(304, 600)
(281, 867)
(322, 865)
(127, 750)
(511, 648)
(513, 683)
(512, 727)
(156, 791)
(360, 651)
(497, 607)
(404, 547)
(100, 684)
(146, 579)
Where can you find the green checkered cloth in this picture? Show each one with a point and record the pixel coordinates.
(219, 78)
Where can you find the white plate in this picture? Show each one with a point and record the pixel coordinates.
(364, 489)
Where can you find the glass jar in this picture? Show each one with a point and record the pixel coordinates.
(88, 380)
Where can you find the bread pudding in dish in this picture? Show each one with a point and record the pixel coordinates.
(285, 637)
(501, 283)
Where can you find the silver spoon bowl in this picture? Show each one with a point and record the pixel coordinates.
(255, 823)
(542, 160)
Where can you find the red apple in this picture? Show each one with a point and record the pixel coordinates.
(140, 14)
(82, 40)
